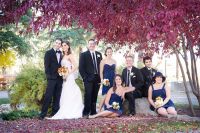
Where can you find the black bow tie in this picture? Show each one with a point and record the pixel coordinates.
(58, 51)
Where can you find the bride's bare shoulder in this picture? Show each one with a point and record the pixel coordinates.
(71, 55)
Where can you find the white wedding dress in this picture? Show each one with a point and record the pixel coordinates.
(71, 104)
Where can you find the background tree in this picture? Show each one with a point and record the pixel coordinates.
(7, 59)
(9, 40)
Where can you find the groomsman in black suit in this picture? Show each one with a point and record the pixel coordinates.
(52, 61)
(132, 77)
(147, 72)
(89, 69)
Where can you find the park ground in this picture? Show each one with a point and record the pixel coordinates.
(123, 124)
(137, 123)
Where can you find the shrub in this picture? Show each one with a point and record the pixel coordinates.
(120, 69)
(28, 88)
(17, 114)
(79, 82)
(4, 101)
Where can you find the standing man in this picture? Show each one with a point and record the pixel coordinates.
(132, 77)
(89, 69)
(52, 61)
(147, 72)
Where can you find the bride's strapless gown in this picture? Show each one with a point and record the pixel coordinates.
(71, 104)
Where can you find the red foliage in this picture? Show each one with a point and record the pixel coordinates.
(146, 22)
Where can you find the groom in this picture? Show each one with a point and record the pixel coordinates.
(89, 69)
(52, 61)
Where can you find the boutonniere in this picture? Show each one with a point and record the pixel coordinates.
(98, 56)
(153, 73)
(132, 74)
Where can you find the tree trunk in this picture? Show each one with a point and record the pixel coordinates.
(193, 72)
(184, 82)
(187, 64)
(177, 71)
(198, 98)
(195, 75)
(3, 70)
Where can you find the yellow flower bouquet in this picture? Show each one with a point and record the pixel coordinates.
(63, 71)
(115, 105)
(159, 101)
(106, 82)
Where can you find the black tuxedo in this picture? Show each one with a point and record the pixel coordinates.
(54, 82)
(147, 75)
(91, 80)
(136, 79)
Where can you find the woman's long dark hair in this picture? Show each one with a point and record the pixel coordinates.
(114, 83)
(69, 50)
(107, 50)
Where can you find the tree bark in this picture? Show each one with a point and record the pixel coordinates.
(191, 81)
(4, 70)
(184, 82)
(194, 75)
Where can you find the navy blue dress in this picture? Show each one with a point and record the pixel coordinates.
(161, 93)
(108, 73)
(115, 98)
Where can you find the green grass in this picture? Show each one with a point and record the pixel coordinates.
(155, 127)
(174, 127)
(177, 105)
(4, 101)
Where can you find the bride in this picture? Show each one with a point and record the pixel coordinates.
(71, 105)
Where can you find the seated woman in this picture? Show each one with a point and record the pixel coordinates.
(114, 99)
(159, 96)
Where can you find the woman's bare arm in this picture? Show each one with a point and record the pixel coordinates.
(107, 99)
(101, 69)
(168, 94)
(150, 97)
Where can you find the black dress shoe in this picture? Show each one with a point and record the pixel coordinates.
(93, 113)
(131, 114)
(85, 116)
(41, 118)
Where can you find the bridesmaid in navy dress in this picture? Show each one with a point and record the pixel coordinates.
(107, 71)
(115, 94)
(159, 89)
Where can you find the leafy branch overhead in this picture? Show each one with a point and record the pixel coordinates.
(8, 39)
(144, 22)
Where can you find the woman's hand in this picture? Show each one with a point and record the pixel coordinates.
(108, 106)
(158, 105)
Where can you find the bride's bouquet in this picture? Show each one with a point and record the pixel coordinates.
(63, 71)
(106, 82)
(115, 105)
(159, 101)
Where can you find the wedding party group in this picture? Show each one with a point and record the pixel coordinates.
(64, 95)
